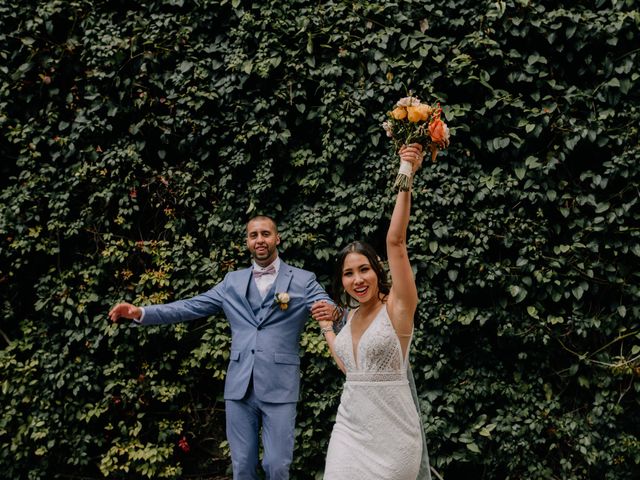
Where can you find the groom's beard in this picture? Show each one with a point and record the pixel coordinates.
(264, 255)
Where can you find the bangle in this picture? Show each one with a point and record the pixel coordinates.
(324, 330)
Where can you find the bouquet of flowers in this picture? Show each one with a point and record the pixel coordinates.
(412, 121)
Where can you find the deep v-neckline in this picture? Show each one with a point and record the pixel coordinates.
(356, 346)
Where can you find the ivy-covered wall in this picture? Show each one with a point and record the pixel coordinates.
(138, 137)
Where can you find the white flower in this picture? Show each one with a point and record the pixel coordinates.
(282, 300)
(387, 128)
(408, 102)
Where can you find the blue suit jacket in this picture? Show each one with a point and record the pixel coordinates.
(266, 345)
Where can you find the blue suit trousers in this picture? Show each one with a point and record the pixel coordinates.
(244, 419)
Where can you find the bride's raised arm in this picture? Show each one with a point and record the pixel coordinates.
(403, 298)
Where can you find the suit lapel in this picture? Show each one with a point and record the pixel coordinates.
(245, 276)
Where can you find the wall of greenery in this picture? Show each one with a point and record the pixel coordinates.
(137, 138)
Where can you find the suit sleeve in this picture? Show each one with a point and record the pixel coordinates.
(203, 305)
(315, 292)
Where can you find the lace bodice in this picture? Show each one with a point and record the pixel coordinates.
(379, 356)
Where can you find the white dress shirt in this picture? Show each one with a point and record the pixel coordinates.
(264, 282)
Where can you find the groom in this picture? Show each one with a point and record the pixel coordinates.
(263, 378)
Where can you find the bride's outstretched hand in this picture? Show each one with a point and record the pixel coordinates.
(413, 154)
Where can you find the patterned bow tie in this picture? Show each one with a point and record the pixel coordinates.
(270, 270)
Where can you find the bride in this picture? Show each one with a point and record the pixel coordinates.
(378, 433)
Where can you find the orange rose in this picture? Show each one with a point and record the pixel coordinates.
(420, 112)
(399, 113)
(414, 115)
(439, 133)
(425, 111)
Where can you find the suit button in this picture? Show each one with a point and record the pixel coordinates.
(259, 328)
(253, 351)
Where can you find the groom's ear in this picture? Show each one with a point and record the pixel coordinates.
(277, 239)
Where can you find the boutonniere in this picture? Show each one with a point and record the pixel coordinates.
(282, 300)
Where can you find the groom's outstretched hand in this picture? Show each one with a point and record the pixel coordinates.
(125, 310)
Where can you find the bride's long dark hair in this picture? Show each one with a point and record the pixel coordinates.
(341, 297)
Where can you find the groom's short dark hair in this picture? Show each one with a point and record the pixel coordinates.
(262, 217)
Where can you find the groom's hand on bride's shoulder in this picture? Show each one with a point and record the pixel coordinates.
(124, 311)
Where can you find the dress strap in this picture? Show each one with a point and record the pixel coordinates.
(404, 335)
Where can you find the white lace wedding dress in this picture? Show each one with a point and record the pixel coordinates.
(377, 434)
